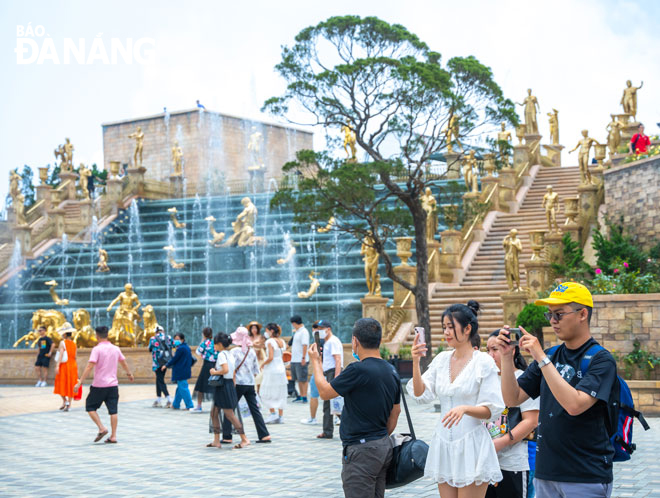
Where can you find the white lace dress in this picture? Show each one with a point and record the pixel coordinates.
(273, 390)
(463, 454)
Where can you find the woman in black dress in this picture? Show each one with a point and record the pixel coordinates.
(209, 355)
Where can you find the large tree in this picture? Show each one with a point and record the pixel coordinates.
(397, 97)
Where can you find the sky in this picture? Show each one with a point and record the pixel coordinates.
(574, 54)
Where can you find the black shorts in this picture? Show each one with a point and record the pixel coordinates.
(99, 395)
(299, 373)
(42, 361)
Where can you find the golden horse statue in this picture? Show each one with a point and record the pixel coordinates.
(51, 319)
(85, 337)
(150, 324)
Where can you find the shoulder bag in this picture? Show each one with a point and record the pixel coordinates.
(408, 457)
(61, 357)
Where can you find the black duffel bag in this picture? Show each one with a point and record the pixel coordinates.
(408, 457)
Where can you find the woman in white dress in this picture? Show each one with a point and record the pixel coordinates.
(273, 390)
(461, 458)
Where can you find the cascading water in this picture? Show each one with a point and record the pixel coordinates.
(135, 243)
(16, 289)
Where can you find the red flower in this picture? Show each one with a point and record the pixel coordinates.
(625, 265)
(616, 270)
(598, 271)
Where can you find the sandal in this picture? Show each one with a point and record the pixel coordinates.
(62, 407)
(211, 445)
(110, 441)
(66, 408)
(323, 436)
(240, 445)
(264, 441)
(100, 435)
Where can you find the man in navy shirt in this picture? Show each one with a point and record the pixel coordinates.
(372, 391)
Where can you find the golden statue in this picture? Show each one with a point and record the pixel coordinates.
(503, 141)
(583, 156)
(65, 153)
(83, 180)
(102, 265)
(85, 337)
(452, 132)
(312, 287)
(289, 256)
(125, 322)
(51, 319)
(150, 324)
(216, 237)
(370, 259)
(175, 221)
(19, 209)
(614, 135)
(255, 146)
(531, 105)
(551, 205)
(629, 99)
(177, 159)
(470, 173)
(553, 119)
(60, 302)
(328, 227)
(520, 133)
(349, 143)
(430, 207)
(14, 188)
(139, 140)
(512, 250)
(170, 258)
(244, 227)
(377, 290)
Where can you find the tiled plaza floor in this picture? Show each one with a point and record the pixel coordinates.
(161, 453)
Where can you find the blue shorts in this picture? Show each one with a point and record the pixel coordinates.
(313, 392)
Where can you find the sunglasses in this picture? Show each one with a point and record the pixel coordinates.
(549, 315)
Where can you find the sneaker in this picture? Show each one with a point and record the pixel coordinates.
(297, 400)
(272, 419)
(168, 405)
(309, 421)
(197, 409)
(38, 384)
(337, 420)
(156, 405)
(44, 383)
(280, 420)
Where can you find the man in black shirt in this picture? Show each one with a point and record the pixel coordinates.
(45, 346)
(372, 390)
(574, 453)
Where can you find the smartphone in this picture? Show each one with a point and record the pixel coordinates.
(422, 335)
(317, 340)
(515, 335)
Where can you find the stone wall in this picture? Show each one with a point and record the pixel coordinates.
(633, 191)
(213, 145)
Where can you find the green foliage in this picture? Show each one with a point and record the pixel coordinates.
(405, 352)
(640, 358)
(384, 352)
(574, 267)
(531, 318)
(624, 280)
(438, 350)
(617, 247)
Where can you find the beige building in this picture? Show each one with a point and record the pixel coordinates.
(214, 145)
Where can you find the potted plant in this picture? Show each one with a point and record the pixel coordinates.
(404, 365)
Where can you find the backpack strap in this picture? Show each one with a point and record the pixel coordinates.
(551, 352)
(588, 355)
(638, 415)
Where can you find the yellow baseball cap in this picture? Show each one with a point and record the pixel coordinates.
(568, 292)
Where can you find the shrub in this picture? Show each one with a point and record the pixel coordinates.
(640, 358)
(405, 353)
(531, 318)
(623, 280)
(384, 352)
(574, 267)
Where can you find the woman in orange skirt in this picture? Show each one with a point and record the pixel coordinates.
(66, 368)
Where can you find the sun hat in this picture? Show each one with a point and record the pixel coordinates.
(241, 337)
(254, 322)
(568, 292)
(66, 328)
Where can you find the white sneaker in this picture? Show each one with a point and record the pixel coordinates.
(309, 421)
(280, 420)
(38, 384)
(337, 420)
(195, 410)
(44, 384)
(272, 419)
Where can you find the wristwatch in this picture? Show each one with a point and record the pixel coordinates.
(545, 361)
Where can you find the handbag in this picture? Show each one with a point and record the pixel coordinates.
(61, 358)
(216, 380)
(408, 455)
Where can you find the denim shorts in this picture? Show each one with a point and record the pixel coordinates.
(313, 391)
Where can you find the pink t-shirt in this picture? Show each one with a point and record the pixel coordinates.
(106, 356)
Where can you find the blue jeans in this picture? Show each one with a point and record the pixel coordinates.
(182, 393)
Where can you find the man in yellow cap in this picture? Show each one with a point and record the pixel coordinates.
(574, 453)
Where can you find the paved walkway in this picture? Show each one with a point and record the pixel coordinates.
(161, 453)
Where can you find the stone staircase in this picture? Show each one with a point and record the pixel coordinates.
(484, 280)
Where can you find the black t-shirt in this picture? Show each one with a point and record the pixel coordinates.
(44, 344)
(370, 388)
(573, 449)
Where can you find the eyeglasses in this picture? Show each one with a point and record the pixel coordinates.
(549, 315)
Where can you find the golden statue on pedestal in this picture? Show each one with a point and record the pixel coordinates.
(452, 133)
(614, 128)
(102, 265)
(349, 143)
(553, 120)
(430, 207)
(531, 105)
(51, 320)
(14, 188)
(139, 141)
(85, 337)
(170, 258)
(328, 227)
(629, 99)
(583, 156)
(65, 153)
(312, 286)
(177, 159)
(255, 146)
(512, 250)
(19, 209)
(150, 324)
(370, 259)
(244, 227)
(175, 221)
(56, 299)
(551, 206)
(83, 180)
(503, 142)
(125, 322)
(470, 173)
(216, 237)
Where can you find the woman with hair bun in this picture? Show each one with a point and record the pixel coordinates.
(461, 453)
(224, 396)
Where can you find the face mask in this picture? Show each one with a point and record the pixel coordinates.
(267, 335)
(177, 342)
(322, 334)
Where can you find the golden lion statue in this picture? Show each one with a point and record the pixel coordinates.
(150, 323)
(85, 337)
(51, 319)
